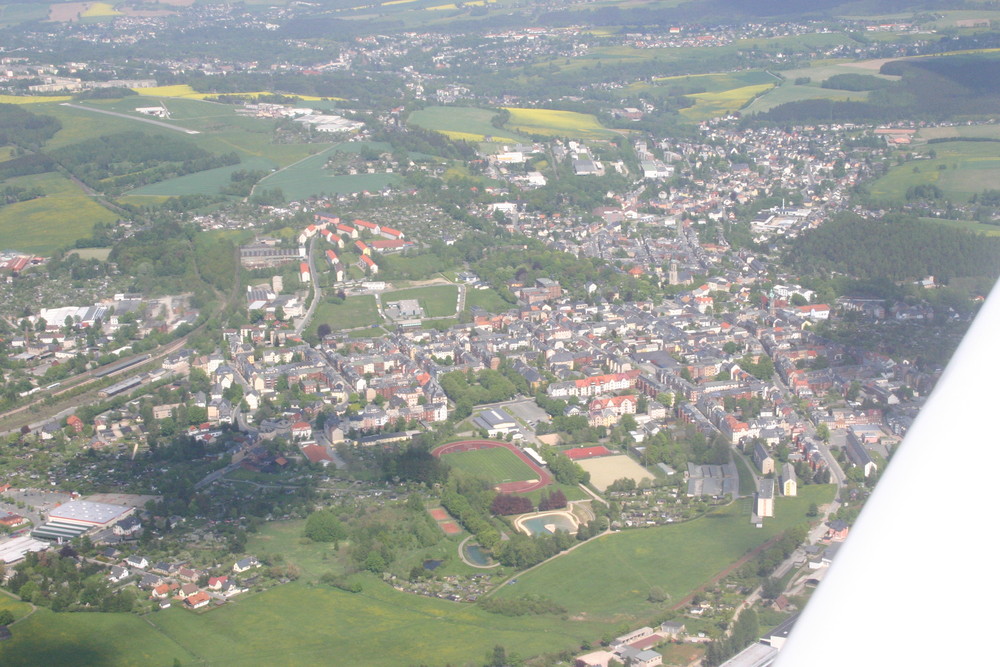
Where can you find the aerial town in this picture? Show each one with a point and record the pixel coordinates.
(407, 322)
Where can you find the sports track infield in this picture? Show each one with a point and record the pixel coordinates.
(500, 468)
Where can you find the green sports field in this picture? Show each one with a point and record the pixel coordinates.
(497, 464)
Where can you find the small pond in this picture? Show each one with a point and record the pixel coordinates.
(475, 554)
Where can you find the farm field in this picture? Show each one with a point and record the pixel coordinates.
(51, 222)
(437, 300)
(33, 99)
(553, 122)
(605, 470)
(707, 83)
(960, 168)
(496, 464)
(710, 105)
(463, 123)
(186, 91)
(356, 311)
(679, 558)
(789, 92)
(221, 130)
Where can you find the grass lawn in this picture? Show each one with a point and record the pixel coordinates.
(48, 223)
(356, 311)
(314, 559)
(487, 299)
(552, 122)
(747, 486)
(437, 300)
(300, 625)
(416, 267)
(47, 638)
(497, 464)
(618, 570)
(464, 123)
(789, 92)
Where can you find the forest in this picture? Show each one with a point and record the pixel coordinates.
(24, 128)
(896, 248)
(131, 159)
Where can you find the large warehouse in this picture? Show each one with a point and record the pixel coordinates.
(76, 517)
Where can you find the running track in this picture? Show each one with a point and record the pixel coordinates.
(544, 478)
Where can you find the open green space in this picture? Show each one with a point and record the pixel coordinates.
(464, 123)
(307, 178)
(354, 312)
(608, 579)
(788, 92)
(48, 638)
(48, 223)
(960, 168)
(436, 300)
(208, 182)
(305, 623)
(487, 299)
(497, 464)
(701, 83)
(710, 105)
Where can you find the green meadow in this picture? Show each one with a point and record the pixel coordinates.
(960, 168)
(54, 221)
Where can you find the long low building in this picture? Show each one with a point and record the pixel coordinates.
(16, 548)
(76, 517)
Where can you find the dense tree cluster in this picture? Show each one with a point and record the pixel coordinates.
(506, 504)
(20, 127)
(525, 605)
(62, 582)
(131, 159)
(894, 248)
(564, 469)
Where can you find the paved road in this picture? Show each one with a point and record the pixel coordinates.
(317, 291)
(159, 123)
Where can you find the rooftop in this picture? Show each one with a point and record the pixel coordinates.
(90, 512)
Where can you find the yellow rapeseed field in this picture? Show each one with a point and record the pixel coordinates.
(556, 122)
(96, 9)
(32, 99)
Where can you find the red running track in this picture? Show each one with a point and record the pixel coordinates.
(544, 478)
